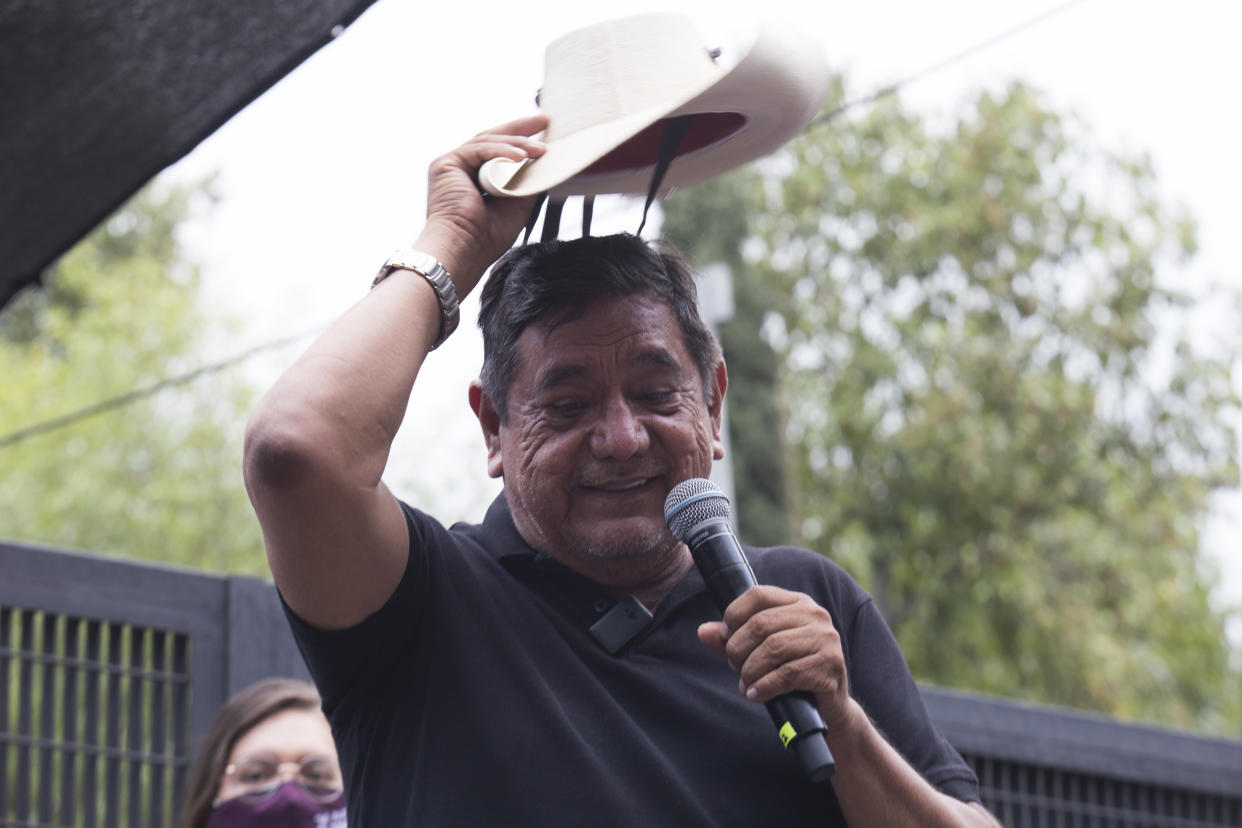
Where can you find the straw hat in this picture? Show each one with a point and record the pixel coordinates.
(608, 89)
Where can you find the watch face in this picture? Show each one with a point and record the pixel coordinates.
(415, 260)
(430, 269)
(407, 260)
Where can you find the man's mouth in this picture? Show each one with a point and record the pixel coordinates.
(618, 485)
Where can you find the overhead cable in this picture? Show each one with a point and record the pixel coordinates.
(138, 394)
(895, 86)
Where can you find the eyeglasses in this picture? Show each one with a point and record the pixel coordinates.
(257, 777)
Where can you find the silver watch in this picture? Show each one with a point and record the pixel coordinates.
(434, 272)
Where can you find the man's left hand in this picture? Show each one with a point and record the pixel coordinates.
(781, 641)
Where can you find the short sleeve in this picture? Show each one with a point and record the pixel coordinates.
(348, 662)
(880, 680)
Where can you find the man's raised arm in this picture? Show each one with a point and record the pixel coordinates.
(318, 441)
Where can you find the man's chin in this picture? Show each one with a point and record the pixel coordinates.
(622, 545)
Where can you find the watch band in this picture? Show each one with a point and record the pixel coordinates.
(431, 270)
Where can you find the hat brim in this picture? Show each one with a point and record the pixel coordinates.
(775, 88)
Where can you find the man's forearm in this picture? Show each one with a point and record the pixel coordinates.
(316, 447)
(877, 787)
(343, 400)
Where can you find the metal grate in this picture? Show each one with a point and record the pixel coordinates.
(94, 721)
(1023, 795)
(111, 670)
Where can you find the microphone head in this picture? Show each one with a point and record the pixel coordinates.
(690, 503)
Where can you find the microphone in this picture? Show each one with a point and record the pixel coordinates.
(697, 513)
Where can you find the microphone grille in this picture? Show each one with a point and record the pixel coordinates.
(690, 503)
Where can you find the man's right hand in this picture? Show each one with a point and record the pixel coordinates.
(466, 230)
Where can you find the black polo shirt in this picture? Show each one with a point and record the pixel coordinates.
(478, 696)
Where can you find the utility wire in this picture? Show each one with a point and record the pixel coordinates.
(149, 391)
(895, 86)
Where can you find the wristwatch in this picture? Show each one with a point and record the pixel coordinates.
(434, 272)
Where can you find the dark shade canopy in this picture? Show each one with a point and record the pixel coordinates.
(97, 97)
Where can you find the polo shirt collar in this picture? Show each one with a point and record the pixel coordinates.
(498, 523)
(513, 552)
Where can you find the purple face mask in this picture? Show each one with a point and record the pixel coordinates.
(289, 806)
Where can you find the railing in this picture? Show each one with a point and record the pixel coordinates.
(1041, 767)
(111, 670)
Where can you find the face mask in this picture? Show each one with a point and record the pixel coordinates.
(289, 806)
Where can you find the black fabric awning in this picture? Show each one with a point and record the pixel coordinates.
(97, 97)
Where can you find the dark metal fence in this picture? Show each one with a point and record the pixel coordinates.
(1046, 768)
(110, 671)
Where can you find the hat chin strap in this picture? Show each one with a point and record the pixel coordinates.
(534, 216)
(674, 131)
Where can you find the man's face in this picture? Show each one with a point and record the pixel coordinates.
(607, 413)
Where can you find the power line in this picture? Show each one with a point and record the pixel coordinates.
(138, 394)
(151, 390)
(895, 86)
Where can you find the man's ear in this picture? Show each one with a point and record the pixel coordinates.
(489, 421)
(715, 408)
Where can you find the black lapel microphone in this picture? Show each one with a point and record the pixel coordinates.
(697, 513)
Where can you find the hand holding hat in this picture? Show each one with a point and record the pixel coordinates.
(609, 88)
(463, 230)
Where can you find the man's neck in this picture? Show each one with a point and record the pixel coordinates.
(648, 581)
(651, 594)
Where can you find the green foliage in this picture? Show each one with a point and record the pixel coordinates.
(157, 479)
(710, 224)
(984, 426)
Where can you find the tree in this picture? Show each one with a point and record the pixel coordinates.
(710, 223)
(984, 425)
(159, 478)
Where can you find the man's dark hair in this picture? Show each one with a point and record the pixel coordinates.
(561, 278)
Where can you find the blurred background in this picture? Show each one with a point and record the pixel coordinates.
(982, 341)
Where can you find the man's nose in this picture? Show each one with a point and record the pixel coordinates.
(618, 432)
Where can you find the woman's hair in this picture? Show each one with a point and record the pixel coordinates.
(236, 717)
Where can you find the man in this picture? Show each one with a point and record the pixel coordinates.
(458, 667)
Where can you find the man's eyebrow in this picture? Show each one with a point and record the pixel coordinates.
(658, 358)
(559, 374)
(653, 357)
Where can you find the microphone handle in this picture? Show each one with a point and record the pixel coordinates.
(727, 573)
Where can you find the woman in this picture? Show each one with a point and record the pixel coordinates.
(267, 760)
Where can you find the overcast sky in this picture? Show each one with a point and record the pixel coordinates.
(323, 176)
